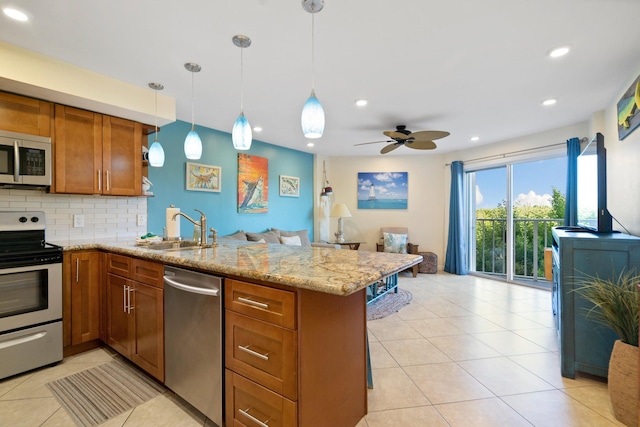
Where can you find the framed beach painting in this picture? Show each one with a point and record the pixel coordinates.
(203, 177)
(289, 186)
(629, 110)
(253, 184)
(383, 190)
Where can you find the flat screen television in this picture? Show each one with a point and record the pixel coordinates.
(592, 187)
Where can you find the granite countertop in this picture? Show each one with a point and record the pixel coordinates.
(328, 270)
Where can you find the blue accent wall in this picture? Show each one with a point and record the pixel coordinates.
(221, 209)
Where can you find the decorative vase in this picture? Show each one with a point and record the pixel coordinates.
(623, 383)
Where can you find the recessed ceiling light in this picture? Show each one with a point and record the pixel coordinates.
(310, 144)
(548, 102)
(257, 129)
(15, 14)
(361, 102)
(559, 51)
(475, 138)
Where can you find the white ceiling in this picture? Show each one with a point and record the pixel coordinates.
(465, 66)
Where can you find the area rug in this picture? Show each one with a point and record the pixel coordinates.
(95, 395)
(388, 304)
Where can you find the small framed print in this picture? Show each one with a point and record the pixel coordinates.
(204, 177)
(289, 186)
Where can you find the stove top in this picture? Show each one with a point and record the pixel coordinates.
(22, 240)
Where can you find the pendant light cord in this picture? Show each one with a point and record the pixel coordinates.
(313, 67)
(193, 115)
(241, 80)
(156, 139)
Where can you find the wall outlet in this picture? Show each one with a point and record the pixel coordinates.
(141, 219)
(78, 221)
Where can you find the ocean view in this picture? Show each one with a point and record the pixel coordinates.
(383, 204)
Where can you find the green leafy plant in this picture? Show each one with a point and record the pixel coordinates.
(615, 303)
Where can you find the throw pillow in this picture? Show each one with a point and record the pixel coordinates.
(293, 240)
(303, 234)
(268, 236)
(240, 235)
(396, 243)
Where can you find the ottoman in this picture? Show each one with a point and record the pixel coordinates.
(429, 263)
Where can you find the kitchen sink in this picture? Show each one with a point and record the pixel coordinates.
(176, 245)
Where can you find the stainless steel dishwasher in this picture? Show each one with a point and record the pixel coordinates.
(193, 339)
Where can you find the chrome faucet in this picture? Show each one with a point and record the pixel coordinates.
(202, 224)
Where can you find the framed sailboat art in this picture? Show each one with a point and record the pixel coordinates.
(253, 184)
(383, 190)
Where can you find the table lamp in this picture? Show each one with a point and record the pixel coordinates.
(340, 211)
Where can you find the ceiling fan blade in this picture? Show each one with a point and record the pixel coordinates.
(428, 135)
(390, 147)
(395, 135)
(421, 145)
(373, 142)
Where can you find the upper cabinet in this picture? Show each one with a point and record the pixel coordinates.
(97, 154)
(25, 115)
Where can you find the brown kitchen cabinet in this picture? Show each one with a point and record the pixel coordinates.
(25, 115)
(135, 311)
(289, 358)
(97, 154)
(81, 296)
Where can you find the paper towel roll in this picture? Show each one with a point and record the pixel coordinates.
(173, 227)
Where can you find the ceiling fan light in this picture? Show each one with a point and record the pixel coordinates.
(156, 155)
(312, 118)
(193, 145)
(241, 134)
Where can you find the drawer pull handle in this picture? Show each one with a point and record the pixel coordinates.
(246, 413)
(254, 353)
(252, 302)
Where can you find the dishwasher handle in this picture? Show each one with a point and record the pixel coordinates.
(192, 289)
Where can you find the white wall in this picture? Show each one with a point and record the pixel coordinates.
(105, 217)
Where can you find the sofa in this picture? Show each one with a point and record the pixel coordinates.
(277, 236)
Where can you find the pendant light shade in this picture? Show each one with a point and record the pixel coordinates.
(156, 152)
(312, 119)
(241, 134)
(192, 143)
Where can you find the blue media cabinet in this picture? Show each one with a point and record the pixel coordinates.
(585, 346)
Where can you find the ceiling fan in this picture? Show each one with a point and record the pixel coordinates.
(422, 140)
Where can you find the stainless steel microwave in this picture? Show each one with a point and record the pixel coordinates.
(25, 160)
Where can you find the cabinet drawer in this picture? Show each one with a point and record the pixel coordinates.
(264, 303)
(147, 272)
(262, 352)
(119, 264)
(248, 404)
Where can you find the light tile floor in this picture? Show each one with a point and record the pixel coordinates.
(467, 351)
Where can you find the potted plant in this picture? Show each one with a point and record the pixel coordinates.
(616, 306)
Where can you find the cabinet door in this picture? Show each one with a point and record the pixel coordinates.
(78, 151)
(85, 296)
(122, 157)
(25, 115)
(148, 313)
(118, 324)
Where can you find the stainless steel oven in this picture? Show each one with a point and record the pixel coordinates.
(25, 160)
(30, 294)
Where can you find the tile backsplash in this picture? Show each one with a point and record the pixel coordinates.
(105, 217)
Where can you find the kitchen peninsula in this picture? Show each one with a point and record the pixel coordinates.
(302, 310)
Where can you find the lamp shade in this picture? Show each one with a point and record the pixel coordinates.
(241, 134)
(340, 210)
(312, 118)
(193, 145)
(156, 155)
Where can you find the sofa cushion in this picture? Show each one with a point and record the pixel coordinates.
(268, 236)
(239, 235)
(396, 243)
(293, 240)
(303, 234)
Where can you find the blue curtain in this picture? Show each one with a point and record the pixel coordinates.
(571, 198)
(455, 261)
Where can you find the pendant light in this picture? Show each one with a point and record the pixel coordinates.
(192, 143)
(312, 119)
(241, 134)
(156, 153)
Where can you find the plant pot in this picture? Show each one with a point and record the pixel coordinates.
(623, 383)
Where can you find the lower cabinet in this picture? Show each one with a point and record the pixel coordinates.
(290, 360)
(81, 296)
(135, 314)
